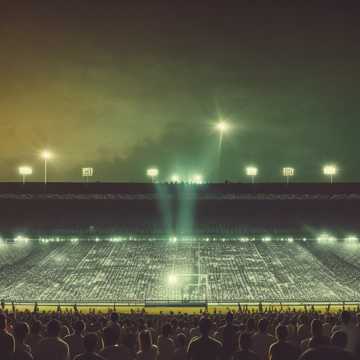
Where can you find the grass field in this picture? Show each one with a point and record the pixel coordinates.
(183, 310)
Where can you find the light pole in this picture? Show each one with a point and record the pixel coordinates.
(25, 171)
(152, 173)
(330, 170)
(46, 155)
(288, 172)
(251, 171)
(222, 127)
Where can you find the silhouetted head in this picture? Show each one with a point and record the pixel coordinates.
(111, 336)
(339, 339)
(229, 317)
(263, 325)
(205, 326)
(180, 340)
(53, 328)
(345, 317)
(79, 327)
(91, 342)
(114, 317)
(245, 341)
(281, 332)
(36, 327)
(166, 330)
(316, 328)
(3, 321)
(145, 340)
(21, 331)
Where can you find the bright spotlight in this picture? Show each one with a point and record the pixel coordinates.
(222, 126)
(46, 155)
(288, 172)
(351, 239)
(251, 171)
(175, 179)
(330, 170)
(152, 173)
(172, 279)
(326, 238)
(197, 179)
(25, 171)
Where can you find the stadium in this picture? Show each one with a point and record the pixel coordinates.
(179, 245)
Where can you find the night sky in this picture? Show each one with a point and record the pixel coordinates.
(123, 87)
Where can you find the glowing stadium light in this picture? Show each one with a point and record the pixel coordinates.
(222, 126)
(152, 173)
(25, 171)
(175, 179)
(197, 179)
(351, 239)
(266, 239)
(326, 238)
(251, 171)
(173, 239)
(331, 171)
(46, 155)
(288, 172)
(172, 279)
(87, 172)
(21, 238)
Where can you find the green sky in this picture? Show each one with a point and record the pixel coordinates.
(122, 87)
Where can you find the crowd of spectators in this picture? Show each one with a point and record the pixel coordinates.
(241, 335)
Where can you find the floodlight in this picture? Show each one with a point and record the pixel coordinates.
(172, 279)
(46, 155)
(197, 179)
(288, 172)
(351, 239)
(222, 126)
(25, 171)
(251, 171)
(175, 179)
(152, 173)
(330, 170)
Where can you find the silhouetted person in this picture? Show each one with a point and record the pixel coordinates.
(34, 338)
(204, 347)
(7, 342)
(76, 340)
(348, 327)
(262, 340)
(147, 351)
(180, 347)
(228, 335)
(52, 347)
(317, 338)
(22, 350)
(281, 349)
(91, 343)
(165, 343)
(112, 349)
(245, 344)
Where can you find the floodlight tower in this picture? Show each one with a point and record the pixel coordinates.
(251, 171)
(46, 155)
(330, 170)
(288, 172)
(152, 173)
(221, 127)
(175, 179)
(25, 171)
(197, 179)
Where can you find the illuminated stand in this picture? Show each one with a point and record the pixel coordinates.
(152, 173)
(25, 171)
(288, 172)
(87, 172)
(252, 171)
(331, 171)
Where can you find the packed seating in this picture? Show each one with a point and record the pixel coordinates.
(215, 271)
